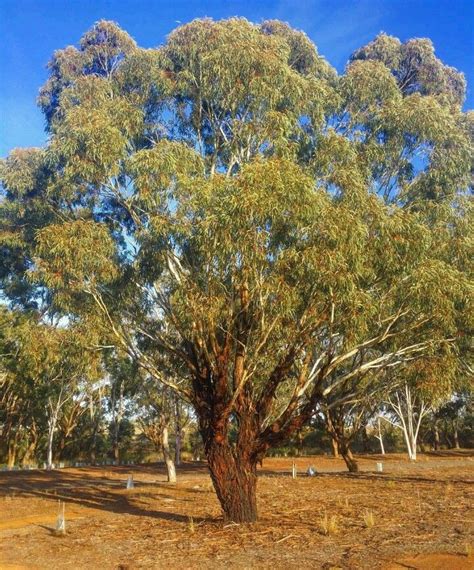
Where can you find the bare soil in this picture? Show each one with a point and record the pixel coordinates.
(413, 515)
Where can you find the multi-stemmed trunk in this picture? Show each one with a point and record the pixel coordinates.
(233, 470)
(341, 442)
(233, 465)
(235, 481)
(409, 410)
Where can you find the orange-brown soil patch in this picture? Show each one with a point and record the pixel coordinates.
(421, 517)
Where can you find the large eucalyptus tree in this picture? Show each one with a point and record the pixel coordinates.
(229, 203)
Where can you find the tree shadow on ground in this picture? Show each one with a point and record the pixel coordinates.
(92, 488)
(454, 453)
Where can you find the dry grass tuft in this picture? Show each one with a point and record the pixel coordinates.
(328, 525)
(343, 502)
(369, 520)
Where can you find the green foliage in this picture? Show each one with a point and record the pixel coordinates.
(101, 51)
(416, 68)
(75, 267)
(252, 230)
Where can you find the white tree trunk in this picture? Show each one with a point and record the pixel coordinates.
(52, 421)
(409, 412)
(380, 437)
(170, 467)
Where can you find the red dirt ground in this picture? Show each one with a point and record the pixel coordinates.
(421, 517)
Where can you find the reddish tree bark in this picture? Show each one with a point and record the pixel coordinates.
(235, 481)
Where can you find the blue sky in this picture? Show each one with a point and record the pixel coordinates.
(32, 29)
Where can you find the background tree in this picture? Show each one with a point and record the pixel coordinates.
(122, 382)
(419, 388)
(450, 413)
(344, 422)
(156, 407)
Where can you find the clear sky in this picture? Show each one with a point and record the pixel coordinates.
(30, 30)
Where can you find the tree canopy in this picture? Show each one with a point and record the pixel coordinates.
(230, 204)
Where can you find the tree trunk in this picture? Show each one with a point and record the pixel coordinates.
(115, 440)
(12, 449)
(11, 456)
(49, 454)
(299, 444)
(33, 442)
(177, 448)
(335, 427)
(409, 409)
(233, 466)
(92, 451)
(380, 437)
(95, 435)
(29, 453)
(95, 418)
(410, 443)
(456, 436)
(53, 417)
(67, 429)
(61, 448)
(117, 415)
(115, 447)
(365, 440)
(447, 435)
(235, 482)
(170, 467)
(436, 438)
(351, 463)
(335, 447)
